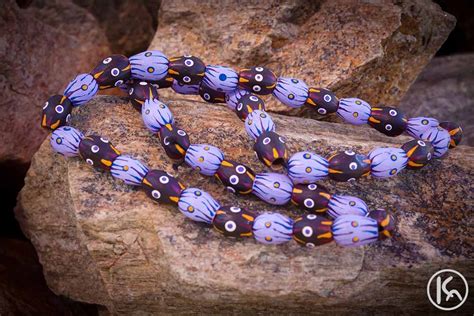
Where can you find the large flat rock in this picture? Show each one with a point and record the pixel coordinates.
(106, 243)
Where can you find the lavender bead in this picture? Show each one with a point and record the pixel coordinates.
(258, 122)
(221, 78)
(387, 162)
(65, 141)
(439, 138)
(185, 88)
(205, 158)
(272, 228)
(232, 98)
(418, 125)
(346, 205)
(273, 188)
(354, 230)
(354, 111)
(291, 92)
(81, 89)
(198, 205)
(156, 114)
(151, 65)
(128, 169)
(307, 167)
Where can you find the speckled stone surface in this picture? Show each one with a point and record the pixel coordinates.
(368, 49)
(104, 242)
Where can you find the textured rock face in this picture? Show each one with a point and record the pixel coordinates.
(106, 243)
(444, 90)
(40, 51)
(371, 49)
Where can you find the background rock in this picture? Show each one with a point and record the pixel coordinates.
(444, 90)
(371, 49)
(106, 243)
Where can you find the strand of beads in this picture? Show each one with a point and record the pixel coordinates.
(267, 228)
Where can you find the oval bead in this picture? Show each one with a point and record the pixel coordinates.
(174, 141)
(198, 205)
(65, 141)
(258, 122)
(232, 98)
(419, 153)
(113, 71)
(439, 138)
(237, 178)
(182, 88)
(385, 222)
(165, 82)
(291, 92)
(98, 151)
(348, 166)
(272, 228)
(455, 131)
(273, 188)
(354, 111)
(162, 187)
(81, 89)
(311, 197)
(388, 120)
(156, 114)
(220, 78)
(323, 100)
(307, 167)
(56, 112)
(418, 125)
(128, 169)
(204, 158)
(233, 221)
(271, 150)
(354, 230)
(259, 80)
(151, 65)
(387, 162)
(311, 230)
(139, 92)
(210, 95)
(247, 104)
(346, 205)
(188, 70)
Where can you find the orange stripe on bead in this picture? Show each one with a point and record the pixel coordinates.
(127, 68)
(243, 80)
(376, 109)
(387, 233)
(275, 153)
(454, 131)
(334, 171)
(251, 176)
(246, 234)
(62, 99)
(414, 164)
(107, 163)
(173, 72)
(97, 75)
(373, 120)
(248, 217)
(297, 191)
(325, 235)
(299, 240)
(180, 149)
(267, 162)
(314, 90)
(310, 101)
(327, 223)
(245, 192)
(385, 222)
(326, 195)
(55, 125)
(174, 199)
(411, 151)
(169, 127)
(147, 182)
(271, 87)
(225, 163)
(43, 122)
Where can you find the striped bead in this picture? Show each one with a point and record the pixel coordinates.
(232, 98)
(439, 138)
(291, 92)
(221, 78)
(150, 65)
(307, 167)
(418, 125)
(198, 205)
(354, 230)
(204, 158)
(156, 114)
(387, 162)
(182, 88)
(81, 89)
(346, 205)
(65, 140)
(128, 169)
(272, 228)
(354, 111)
(273, 188)
(258, 122)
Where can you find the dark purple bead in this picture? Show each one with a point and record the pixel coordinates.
(163, 83)
(388, 120)
(174, 141)
(56, 112)
(385, 222)
(323, 100)
(259, 80)
(312, 197)
(419, 153)
(113, 71)
(98, 152)
(271, 150)
(141, 91)
(188, 70)
(247, 104)
(348, 165)
(455, 131)
(211, 96)
(238, 178)
(311, 230)
(234, 221)
(162, 187)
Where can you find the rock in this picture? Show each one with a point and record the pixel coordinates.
(370, 49)
(444, 90)
(40, 52)
(106, 243)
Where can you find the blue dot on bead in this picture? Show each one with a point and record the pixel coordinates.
(222, 77)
